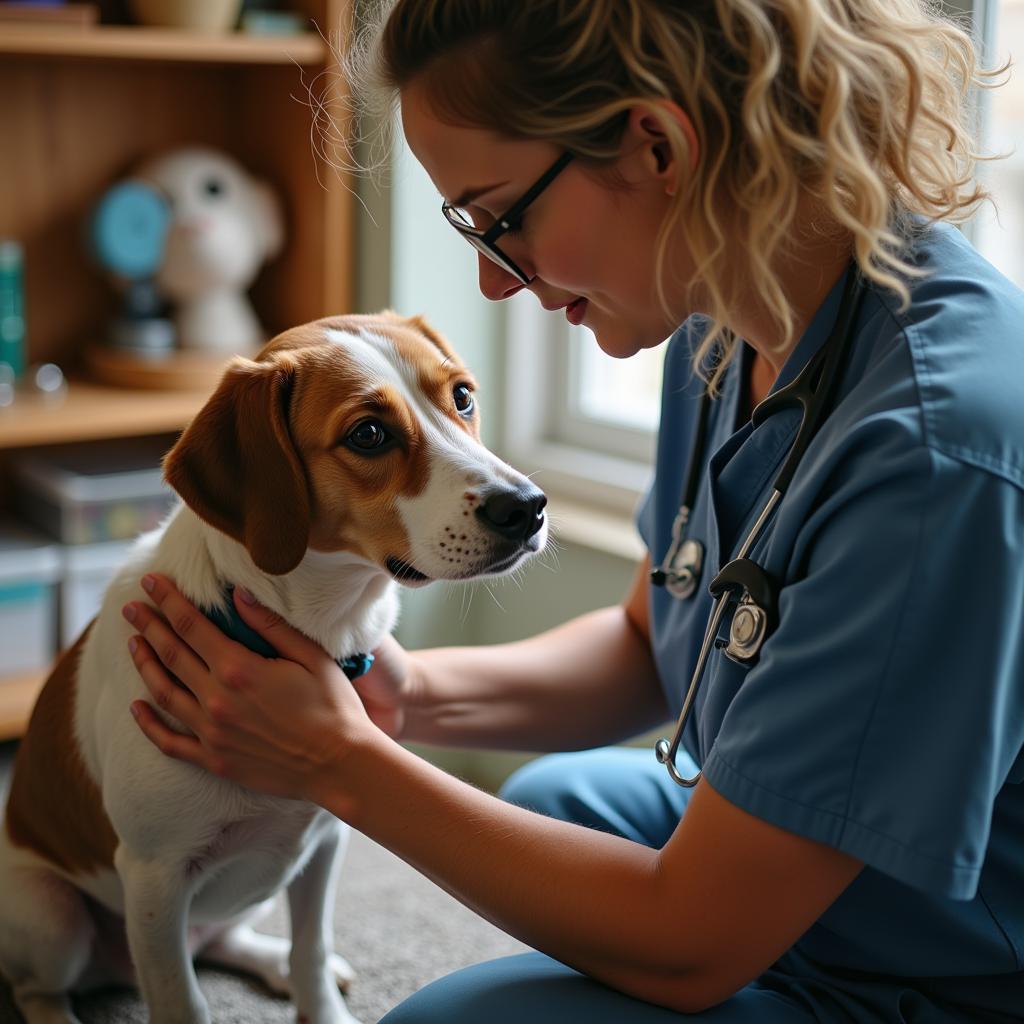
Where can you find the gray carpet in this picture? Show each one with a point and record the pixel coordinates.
(397, 929)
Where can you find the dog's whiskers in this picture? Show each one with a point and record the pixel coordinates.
(467, 603)
(494, 598)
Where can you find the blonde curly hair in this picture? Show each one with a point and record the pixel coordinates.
(861, 105)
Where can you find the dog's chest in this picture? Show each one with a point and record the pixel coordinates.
(246, 861)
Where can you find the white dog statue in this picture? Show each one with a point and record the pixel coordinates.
(225, 225)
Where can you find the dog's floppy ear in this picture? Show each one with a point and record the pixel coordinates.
(236, 466)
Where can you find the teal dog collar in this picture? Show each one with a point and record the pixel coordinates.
(230, 623)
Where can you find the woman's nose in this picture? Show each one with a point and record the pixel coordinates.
(496, 283)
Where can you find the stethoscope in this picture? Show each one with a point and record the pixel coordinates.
(756, 616)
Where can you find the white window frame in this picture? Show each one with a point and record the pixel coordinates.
(599, 464)
(535, 439)
(576, 427)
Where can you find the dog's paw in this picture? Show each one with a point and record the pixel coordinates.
(342, 971)
(328, 1010)
(275, 977)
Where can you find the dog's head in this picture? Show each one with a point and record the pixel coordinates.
(357, 434)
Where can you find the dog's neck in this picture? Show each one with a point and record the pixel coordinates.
(344, 603)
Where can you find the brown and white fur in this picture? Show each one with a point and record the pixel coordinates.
(119, 865)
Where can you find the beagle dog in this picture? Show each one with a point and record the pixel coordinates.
(342, 462)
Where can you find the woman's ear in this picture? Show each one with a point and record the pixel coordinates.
(650, 131)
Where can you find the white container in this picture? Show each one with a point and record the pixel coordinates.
(29, 567)
(86, 494)
(87, 569)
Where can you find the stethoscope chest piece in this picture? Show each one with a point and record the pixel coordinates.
(747, 631)
(756, 595)
(684, 573)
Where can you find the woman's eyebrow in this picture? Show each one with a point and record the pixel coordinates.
(472, 194)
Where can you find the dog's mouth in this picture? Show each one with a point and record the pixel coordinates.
(404, 572)
(502, 565)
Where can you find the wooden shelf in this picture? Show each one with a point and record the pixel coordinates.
(156, 44)
(17, 698)
(91, 412)
(84, 105)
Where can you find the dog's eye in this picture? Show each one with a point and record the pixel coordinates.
(367, 435)
(214, 188)
(463, 396)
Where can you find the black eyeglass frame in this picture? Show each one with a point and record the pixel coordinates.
(484, 239)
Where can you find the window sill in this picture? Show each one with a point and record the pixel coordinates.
(600, 529)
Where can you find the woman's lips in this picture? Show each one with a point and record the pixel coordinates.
(575, 312)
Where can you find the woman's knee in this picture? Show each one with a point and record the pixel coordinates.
(528, 987)
(480, 992)
(542, 784)
(584, 787)
(533, 987)
(622, 790)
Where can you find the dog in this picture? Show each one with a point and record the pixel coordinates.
(343, 462)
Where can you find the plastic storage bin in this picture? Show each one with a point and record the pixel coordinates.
(86, 571)
(29, 568)
(90, 494)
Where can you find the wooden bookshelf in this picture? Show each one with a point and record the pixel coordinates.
(84, 105)
(114, 42)
(92, 412)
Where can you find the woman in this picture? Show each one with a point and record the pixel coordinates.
(855, 847)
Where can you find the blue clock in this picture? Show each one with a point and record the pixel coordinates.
(127, 235)
(129, 230)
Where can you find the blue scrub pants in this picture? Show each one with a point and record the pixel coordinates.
(619, 790)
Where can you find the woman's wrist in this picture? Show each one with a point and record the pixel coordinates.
(345, 780)
(414, 697)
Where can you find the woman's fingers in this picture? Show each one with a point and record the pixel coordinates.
(284, 638)
(167, 741)
(176, 701)
(167, 694)
(176, 655)
(198, 632)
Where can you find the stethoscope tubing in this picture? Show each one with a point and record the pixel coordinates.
(664, 751)
(814, 391)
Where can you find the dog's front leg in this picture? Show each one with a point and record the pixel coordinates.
(157, 898)
(314, 970)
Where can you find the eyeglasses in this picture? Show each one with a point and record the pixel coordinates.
(484, 239)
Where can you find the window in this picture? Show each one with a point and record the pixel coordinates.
(579, 420)
(999, 233)
(585, 422)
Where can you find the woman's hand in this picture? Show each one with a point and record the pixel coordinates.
(283, 726)
(386, 689)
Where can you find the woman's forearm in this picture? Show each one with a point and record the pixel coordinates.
(593, 900)
(586, 683)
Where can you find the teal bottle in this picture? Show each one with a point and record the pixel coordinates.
(12, 307)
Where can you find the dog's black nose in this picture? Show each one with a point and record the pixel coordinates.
(516, 514)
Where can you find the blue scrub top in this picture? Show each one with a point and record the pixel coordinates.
(885, 716)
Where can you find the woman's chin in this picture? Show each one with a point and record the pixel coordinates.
(620, 346)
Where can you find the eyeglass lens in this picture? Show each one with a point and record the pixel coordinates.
(459, 217)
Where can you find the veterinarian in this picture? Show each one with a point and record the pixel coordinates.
(729, 174)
